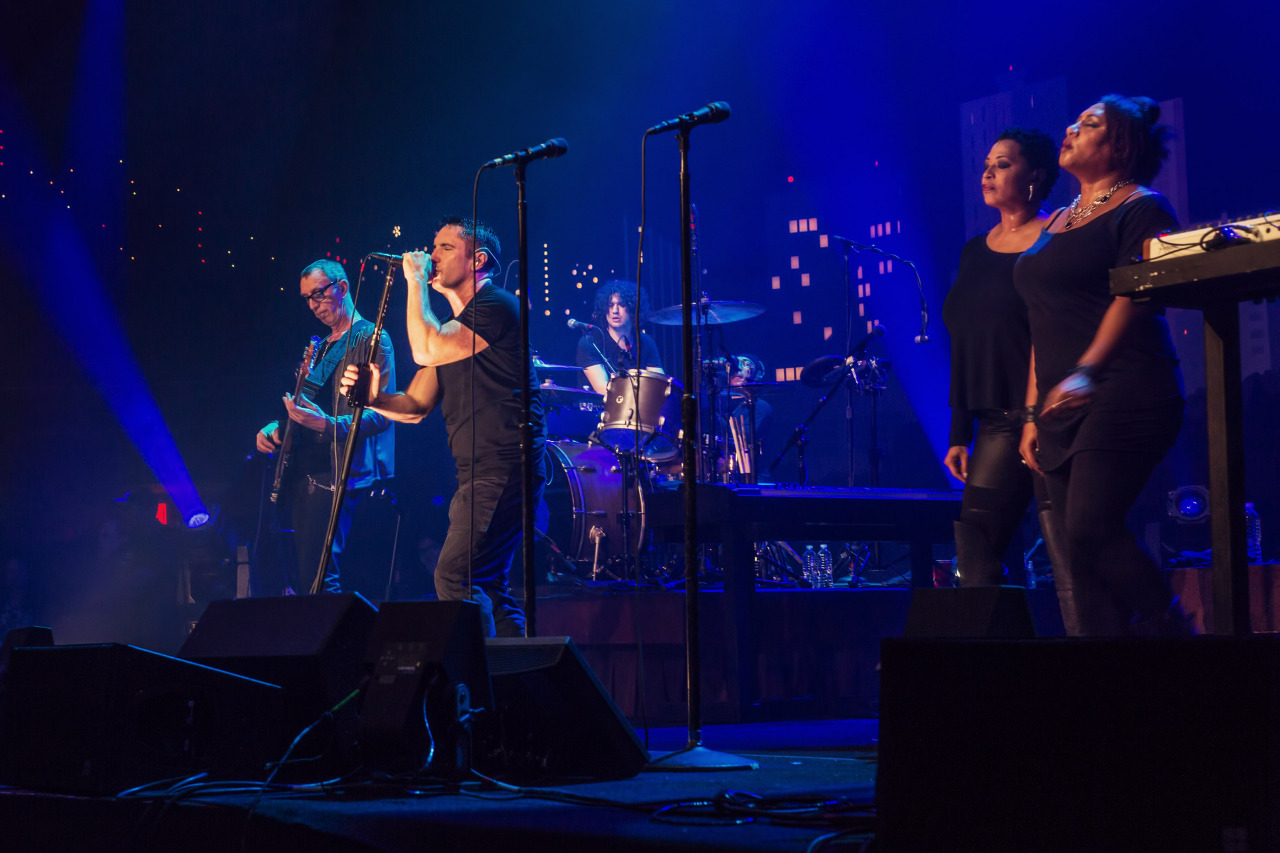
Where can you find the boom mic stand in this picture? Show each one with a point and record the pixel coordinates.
(694, 756)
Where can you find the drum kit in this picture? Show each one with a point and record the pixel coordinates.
(607, 454)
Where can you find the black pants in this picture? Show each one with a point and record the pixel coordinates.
(1116, 582)
(310, 513)
(475, 559)
(998, 486)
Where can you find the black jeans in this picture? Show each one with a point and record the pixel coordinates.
(1116, 582)
(475, 563)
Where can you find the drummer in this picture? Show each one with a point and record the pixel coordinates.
(747, 374)
(615, 345)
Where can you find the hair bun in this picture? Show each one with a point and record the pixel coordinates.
(1148, 109)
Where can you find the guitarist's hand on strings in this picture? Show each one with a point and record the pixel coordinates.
(268, 438)
(305, 413)
(362, 378)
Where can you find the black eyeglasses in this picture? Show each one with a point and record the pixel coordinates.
(318, 294)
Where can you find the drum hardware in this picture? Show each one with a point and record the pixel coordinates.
(595, 502)
(642, 415)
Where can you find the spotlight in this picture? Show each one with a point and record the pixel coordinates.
(197, 519)
(1188, 504)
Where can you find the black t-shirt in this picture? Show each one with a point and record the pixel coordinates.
(496, 403)
(619, 361)
(1065, 279)
(990, 337)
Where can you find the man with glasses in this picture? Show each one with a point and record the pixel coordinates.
(324, 418)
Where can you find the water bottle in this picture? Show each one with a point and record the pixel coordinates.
(810, 567)
(1252, 534)
(1031, 573)
(826, 567)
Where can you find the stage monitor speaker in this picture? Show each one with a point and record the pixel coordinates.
(31, 635)
(997, 612)
(423, 655)
(99, 719)
(1079, 745)
(311, 645)
(553, 717)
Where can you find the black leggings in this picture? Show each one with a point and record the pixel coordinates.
(1115, 580)
(998, 486)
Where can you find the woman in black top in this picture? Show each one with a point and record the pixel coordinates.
(990, 348)
(1105, 401)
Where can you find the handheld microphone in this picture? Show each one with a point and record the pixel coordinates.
(550, 148)
(580, 326)
(392, 260)
(710, 114)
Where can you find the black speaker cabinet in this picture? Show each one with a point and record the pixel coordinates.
(553, 717)
(423, 655)
(99, 719)
(311, 645)
(1080, 745)
(970, 612)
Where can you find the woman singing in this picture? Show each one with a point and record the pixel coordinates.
(1105, 397)
(990, 348)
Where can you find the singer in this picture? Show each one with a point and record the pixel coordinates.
(990, 349)
(478, 348)
(602, 355)
(325, 417)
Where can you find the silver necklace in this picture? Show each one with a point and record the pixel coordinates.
(1074, 215)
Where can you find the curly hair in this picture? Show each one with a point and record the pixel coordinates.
(626, 291)
(481, 237)
(1138, 143)
(1041, 154)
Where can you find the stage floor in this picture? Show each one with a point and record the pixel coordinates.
(813, 779)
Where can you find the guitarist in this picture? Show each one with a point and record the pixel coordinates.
(323, 418)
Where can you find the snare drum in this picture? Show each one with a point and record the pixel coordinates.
(584, 501)
(643, 405)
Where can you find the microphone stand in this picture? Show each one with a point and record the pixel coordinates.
(798, 438)
(694, 756)
(526, 427)
(353, 436)
(849, 246)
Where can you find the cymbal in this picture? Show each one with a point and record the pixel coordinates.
(539, 364)
(822, 371)
(717, 313)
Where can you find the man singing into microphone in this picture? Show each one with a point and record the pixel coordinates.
(471, 368)
(620, 347)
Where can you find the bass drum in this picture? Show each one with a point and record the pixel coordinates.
(584, 509)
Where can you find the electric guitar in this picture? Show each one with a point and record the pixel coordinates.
(290, 427)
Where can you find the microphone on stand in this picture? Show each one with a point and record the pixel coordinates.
(550, 148)
(710, 114)
(580, 326)
(392, 260)
(877, 331)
